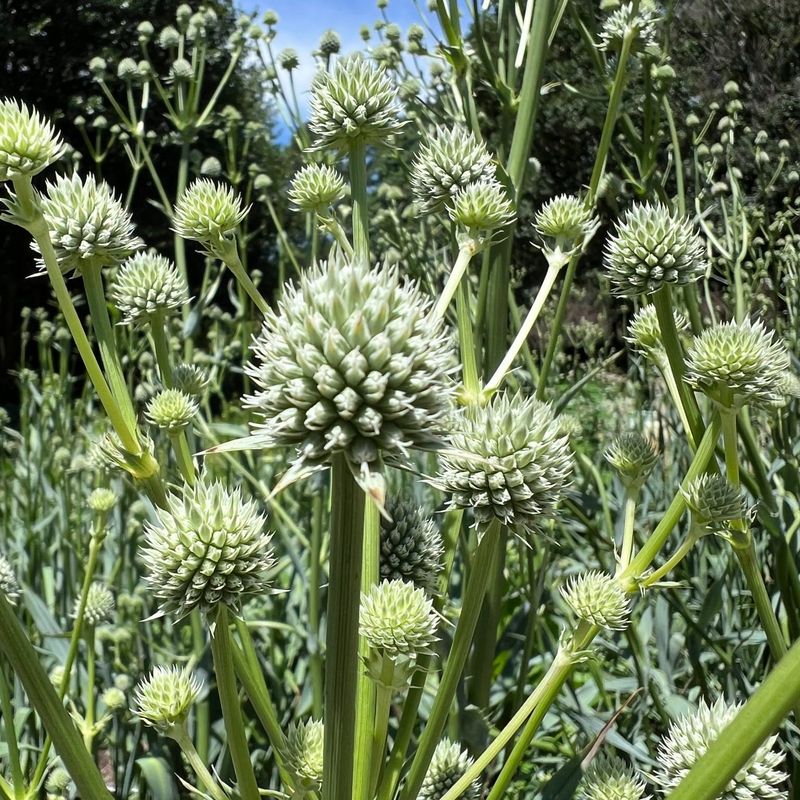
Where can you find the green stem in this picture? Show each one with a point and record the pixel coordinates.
(683, 550)
(180, 447)
(314, 590)
(466, 341)
(626, 552)
(383, 707)
(158, 330)
(17, 776)
(91, 661)
(228, 251)
(358, 193)
(202, 711)
(465, 254)
(180, 735)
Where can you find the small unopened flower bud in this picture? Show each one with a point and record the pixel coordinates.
(365, 33)
(448, 765)
(98, 67)
(127, 69)
(102, 500)
(165, 698)
(113, 699)
(262, 182)
(330, 43)
(315, 187)
(609, 778)
(305, 743)
(28, 143)
(731, 89)
(190, 379)
(58, 782)
(181, 70)
(168, 38)
(482, 207)
(9, 588)
(145, 30)
(692, 120)
(99, 605)
(208, 212)
(633, 458)
(171, 410)
(644, 330)
(416, 33)
(565, 224)
(719, 188)
(270, 18)
(183, 13)
(597, 598)
(211, 167)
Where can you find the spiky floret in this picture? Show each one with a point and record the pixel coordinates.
(99, 605)
(597, 598)
(207, 548)
(356, 100)
(738, 364)
(304, 750)
(172, 410)
(652, 247)
(641, 24)
(644, 330)
(88, 225)
(351, 362)
(714, 500)
(102, 500)
(315, 187)
(165, 697)
(58, 782)
(190, 378)
(448, 764)
(113, 699)
(633, 457)
(28, 143)
(565, 220)
(9, 587)
(508, 460)
(208, 212)
(411, 546)
(450, 160)
(691, 735)
(482, 207)
(147, 285)
(610, 778)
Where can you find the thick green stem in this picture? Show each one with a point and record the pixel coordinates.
(358, 194)
(184, 741)
(7, 711)
(91, 662)
(184, 458)
(466, 342)
(465, 254)
(626, 552)
(158, 331)
(314, 591)
(383, 707)
(228, 251)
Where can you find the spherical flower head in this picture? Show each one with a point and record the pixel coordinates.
(99, 605)
(450, 160)
(211, 167)
(9, 588)
(181, 70)
(609, 778)
(644, 330)
(28, 143)
(102, 500)
(738, 364)
(633, 457)
(411, 546)
(58, 782)
(127, 69)
(652, 247)
(305, 744)
(113, 699)
(208, 212)
(761, 778)
(329, 43)
(351, 362)
(165, 698)
(172, 410)
(597, 598)
(168, 37)
(641, 25)
(448, 764)
(714, 500)
(482, 207)
(354, 101)
(207, 548)
(190, 379)
(564, 223)
(89, 227)
(288, 59)
(315, 187)
(147, 285)
(397, 619)
(507, 461)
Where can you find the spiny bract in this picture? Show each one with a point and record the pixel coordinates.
(633, 457)
(146, 285)
(315, 187)
(165, 697)
(448, 764)
(28, 143)
(597, 598)
(305, 743)
(609, 778)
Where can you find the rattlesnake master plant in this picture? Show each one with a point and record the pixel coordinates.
(99, 605)
(690, 736)
(165, 697)
(9, 588)
(351, 362)
(304, 750)
(448, 764)
(641, 24)
(208, 212)
(101, 500)
(207, 548)
(610, 778)
(738, 364)
(598, 598)
(714, 500)
(191, 379)
(565, 225)
(652, 247)
(28, 142)
(644, 330)
(172, 410)
(448, 161)
(632, 457)
(315, 187)
(482, 207)
(146, 285)
(507, 461)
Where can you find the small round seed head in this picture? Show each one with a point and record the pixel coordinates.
(610, 778)
(330, 43)
(208, 212)
(642, 25)
(482, 207)
(689, 738)
(58, 782)
(597, 598)
(88, 225)
(208, 547)
(172, 410)
(450, 160)
(181, 70)
(148, 284)
(644, 330)
(99, 605)
(127, 69)
(28, 143)
(508, 460)
(9, 587)
(113, 699)
(714, 500)
(102, 500)
(354, 101)
(211, 167)
(566, 220)
(633, 457)
(738, 364)
(165, 697)
(653, 246)
(448, 764)
(315, 187)
(190, 379)
(305, 744)
(168, 38)
(288, 59)
(411, 546)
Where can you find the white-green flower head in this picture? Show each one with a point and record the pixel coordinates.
(507, 460)
(354, 101)
(482, 207)
(714, 500)
(113, 699)
(172, 410)
(211, 167)
(351, 362)
(305, 744)
(208, 212)
(190, 379)
(641, 25)
(633, 457)
(102, 500)
(165, 698)
(207, 548)
(597, 598)
(738, 364)
(448, 765)
(28, 143)
(315, 187)
(450, 160)
(88, 225)
(329, 43)
(58, 782)
(9, 588)
(651, 247)
(644, 330)
(288, 59)
(99, 605)
(564, 223)
(610, 778)
(411, 546)
(146, 286)
(690, 736)
(168, 37)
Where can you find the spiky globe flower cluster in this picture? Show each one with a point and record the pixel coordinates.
(190, 379)
(171, 410)
(633, 457)
(448, 765)
(738, 364)
(165, 697)
(208, 212)
(651, 247)
(641, 24)
(450, 160)
(148, 285)
(644, 330)
(89, 227)
(102, 500)
(482, 207)
(565, 223)
(9, 588)
(351, 363)
(58, 782)
(329, 43)
(99, 605)
(356, 100)
(28, 143)
(597, 598)
(507, 461)
(610, 778)
(207, 548)
(690, 736)
(288, 59)
(714, 500)
(113, 699)
(315, 187)
(305, 744)
(411, 546)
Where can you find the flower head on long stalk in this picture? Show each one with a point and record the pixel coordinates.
(28, 143)
(448, 764)
(644, 331)
(172, 410)
(148, 284)
(9, 588)
(599, 599)
(632, 457)
(315, 187)
(208, 212)
(565, 226)
(714, 501)
(165, 697)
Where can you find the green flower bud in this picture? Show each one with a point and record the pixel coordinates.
(270, 18)
(731, 89)
(102, 500)
(609, 778)
(640, 25)
(416, 33)
(172, 410)
(190, 379)
(98, 67)
(482, 207)
(145, 30)
(714, 500)
(28, 143)
(315, 187)
(305, 743)
(181, 70)
(448, 765)
(127, 69)
(208, 212)
(168, 38)
(644, 330)
(9, 588)
(165, 698)
(58, 782)
(692, 120)
(183, 13)
(113, 699)
(56, 676)
(99, 605)
(597, 598)
(288, 59)
(148, 285)
(633, 458)
(565, 224)
(211, 167)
